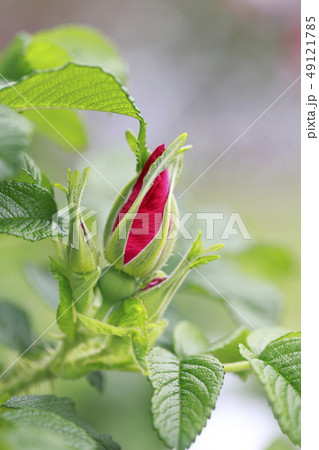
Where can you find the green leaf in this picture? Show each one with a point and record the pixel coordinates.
(72, 435)
(105, 328)
(12, 63)
(132, 141)
(80, 44)
(15, 328)
(66, 314)
(132, 313)
(30, 172)
(64, 127)
(31, 169)
(27, 210)
(69, 87)
(138, 146)
(188, 339)
(97, 380)
(268, 261)
(185, 392)
(284, 355)
(53, 48)
(281, 443)
(128, 320)
(196, 247)
(258, 339)
(195, 255)
(46, 183)
(204, 260)
(227, 348)
(51, 413)
(142, 152)
(278, 369)
(251, 303)
(30, 437)
(15, 138)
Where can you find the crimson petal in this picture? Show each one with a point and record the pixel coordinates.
(154, 283)
(151, 209)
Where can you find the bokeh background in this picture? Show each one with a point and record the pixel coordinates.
(210, 68)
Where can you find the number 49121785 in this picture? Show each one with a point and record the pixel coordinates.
(310, 49)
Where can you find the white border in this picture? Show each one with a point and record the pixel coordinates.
(309, 242)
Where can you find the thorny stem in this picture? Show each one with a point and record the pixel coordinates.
(30, 377)
(46, 372)
(25, 382)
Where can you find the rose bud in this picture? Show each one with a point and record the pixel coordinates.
(81, 252)
(137, 234)
(114, 286)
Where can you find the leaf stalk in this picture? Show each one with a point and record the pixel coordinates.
(238, 366)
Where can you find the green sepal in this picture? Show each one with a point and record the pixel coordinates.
(80, 287)
(66, 314)
(149, 258)
(119, 202)
(80, 253)
(128, 320)
(84, 259)
(156, 299)
(83, 288)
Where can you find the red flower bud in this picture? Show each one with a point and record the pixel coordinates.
(149, 222)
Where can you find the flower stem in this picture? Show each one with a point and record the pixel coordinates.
(238, 366)
(25, 379)
(20, 384)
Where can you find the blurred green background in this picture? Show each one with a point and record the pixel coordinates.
(210, 68)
